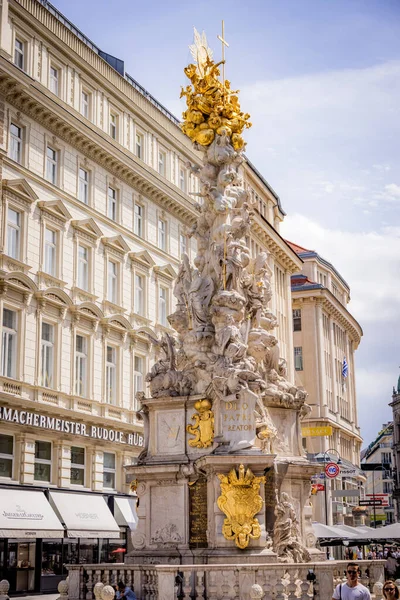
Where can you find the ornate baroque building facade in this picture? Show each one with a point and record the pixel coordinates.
(96, 205)
(325, 334)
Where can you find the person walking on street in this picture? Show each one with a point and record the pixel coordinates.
(352, 589)
(390, 590)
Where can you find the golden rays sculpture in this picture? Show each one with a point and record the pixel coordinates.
(203, 428)
(212, 106)
(240, 501)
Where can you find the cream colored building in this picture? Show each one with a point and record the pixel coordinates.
(96, 202)
(325, 334)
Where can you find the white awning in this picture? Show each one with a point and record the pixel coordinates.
(85, 515)
(125, 511)
(27, 514)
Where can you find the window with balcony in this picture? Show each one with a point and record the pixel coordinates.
(42, 468)
(50, 252)
(83, 193)
(77, 466)
(111, 375)
(47, 355)
(297, 319)
(14, 233)
(298, 358)
(9, 343)
(6, 455)
(109, 470)
(81, 360)
(19, 53)
(16, 143)
(51, 165)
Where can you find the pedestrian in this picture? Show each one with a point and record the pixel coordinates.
(391, 566)
(352, 589)
(390, 590)
(125, 592)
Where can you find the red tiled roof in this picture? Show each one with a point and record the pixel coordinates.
(298, 249)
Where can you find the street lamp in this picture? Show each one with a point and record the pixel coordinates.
(339, 462)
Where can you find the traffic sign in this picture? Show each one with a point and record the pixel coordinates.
(370, 503)
(332, 470)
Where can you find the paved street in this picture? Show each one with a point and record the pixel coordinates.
(36, 597)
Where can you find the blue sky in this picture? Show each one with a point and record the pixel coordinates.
(321, 80)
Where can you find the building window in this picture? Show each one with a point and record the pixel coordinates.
(183, 244)
(139, 145)
(297, 319)
(83, 186)
(42, 461)
(111, 375)
(13, 233)
(109, 470)
(387, 457)
(83, 267)
(298, 358)
(9, 343)
(139, 295)
(112, 292)
(19, 54)
(138, 220)
(51, 165)
(113, 125)
(50, 251)
(112, 203)
(162, 306)
(47, 354)
(80, 365)
(182, 179)
(6, 455)
(77, 466)
(16, 143)
(161, 163)
(85, 104)
(54, 80)
(162, 238)
(138, 370)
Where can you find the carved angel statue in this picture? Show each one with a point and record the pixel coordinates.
(164, 378)
(200, 51)
(287, 536)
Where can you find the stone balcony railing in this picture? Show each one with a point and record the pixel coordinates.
(307, 581)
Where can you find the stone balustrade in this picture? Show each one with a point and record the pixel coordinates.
(278, 581)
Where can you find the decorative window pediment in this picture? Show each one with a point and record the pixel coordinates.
(166, 271)
(55, 297)
(117, 323)
(89, 311)
(116, 243)
(88, 227)
(56, 209)
(20, 188)
(142, 259)
(18, 282)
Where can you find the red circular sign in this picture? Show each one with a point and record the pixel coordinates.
(332, 470)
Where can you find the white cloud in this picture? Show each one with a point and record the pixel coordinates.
(368, 261)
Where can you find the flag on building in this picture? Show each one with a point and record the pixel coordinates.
(345, 368)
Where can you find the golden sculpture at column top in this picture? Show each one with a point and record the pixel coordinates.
(240, 501)
(212, 106)
(203, 429)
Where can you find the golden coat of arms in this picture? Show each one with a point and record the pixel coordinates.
(240, 501)
(203, 429)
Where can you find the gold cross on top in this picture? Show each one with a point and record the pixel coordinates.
(223, 44)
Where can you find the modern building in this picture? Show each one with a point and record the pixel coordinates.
(326, 337)
(395, 404)
(96, 204)
(378, 458)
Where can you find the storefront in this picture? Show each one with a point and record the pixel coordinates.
(41, 532)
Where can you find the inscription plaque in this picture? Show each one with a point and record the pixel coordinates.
(198, 514)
